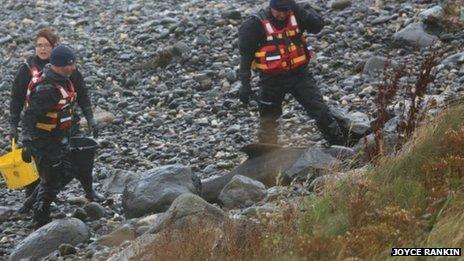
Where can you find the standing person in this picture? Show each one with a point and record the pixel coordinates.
(47, 127)
(272, 42)
(45, 40)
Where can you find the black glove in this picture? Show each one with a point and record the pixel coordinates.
(245, 92)
(26, 153)
(13, 134)
(93, 127)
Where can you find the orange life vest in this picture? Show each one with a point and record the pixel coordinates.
(283, 49)
(60, 115)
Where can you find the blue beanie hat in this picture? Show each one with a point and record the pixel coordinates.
(280, 5)
(62, 55)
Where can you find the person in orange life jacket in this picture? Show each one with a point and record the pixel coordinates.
(45, 40)
(47, 126)
(272, 42)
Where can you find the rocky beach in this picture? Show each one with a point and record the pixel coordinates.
(162, 76)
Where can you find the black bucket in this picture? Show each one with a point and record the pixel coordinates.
(83, 154)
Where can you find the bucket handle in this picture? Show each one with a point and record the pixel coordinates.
(13, 144)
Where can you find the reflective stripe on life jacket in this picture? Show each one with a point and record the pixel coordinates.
(60, 115)
(283, 49)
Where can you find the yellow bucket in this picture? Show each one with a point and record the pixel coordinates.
(15, 171)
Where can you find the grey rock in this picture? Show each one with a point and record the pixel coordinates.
(6, 39)
(340, 152)
(80, 213)
(94, 211)
(67, 249)
(231, 75)
(156, 189)
(415, 36)
(433, 14)
(455, 59)
(5, 213)
(374, 65)
(187, 210)
(49, 237)
(202, 40)
(391, 126)
(383, 19)
(115, 238)
(181, 47)
(356, 123)
(339, 4)
(232, 14)
(241, 190)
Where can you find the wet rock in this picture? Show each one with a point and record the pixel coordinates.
(241, 191)
(49, 237)
(155, 190)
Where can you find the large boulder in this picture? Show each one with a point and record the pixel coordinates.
(49, 237)
(414, 35)
(188, 209)
(154, 191)
(242, 191)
